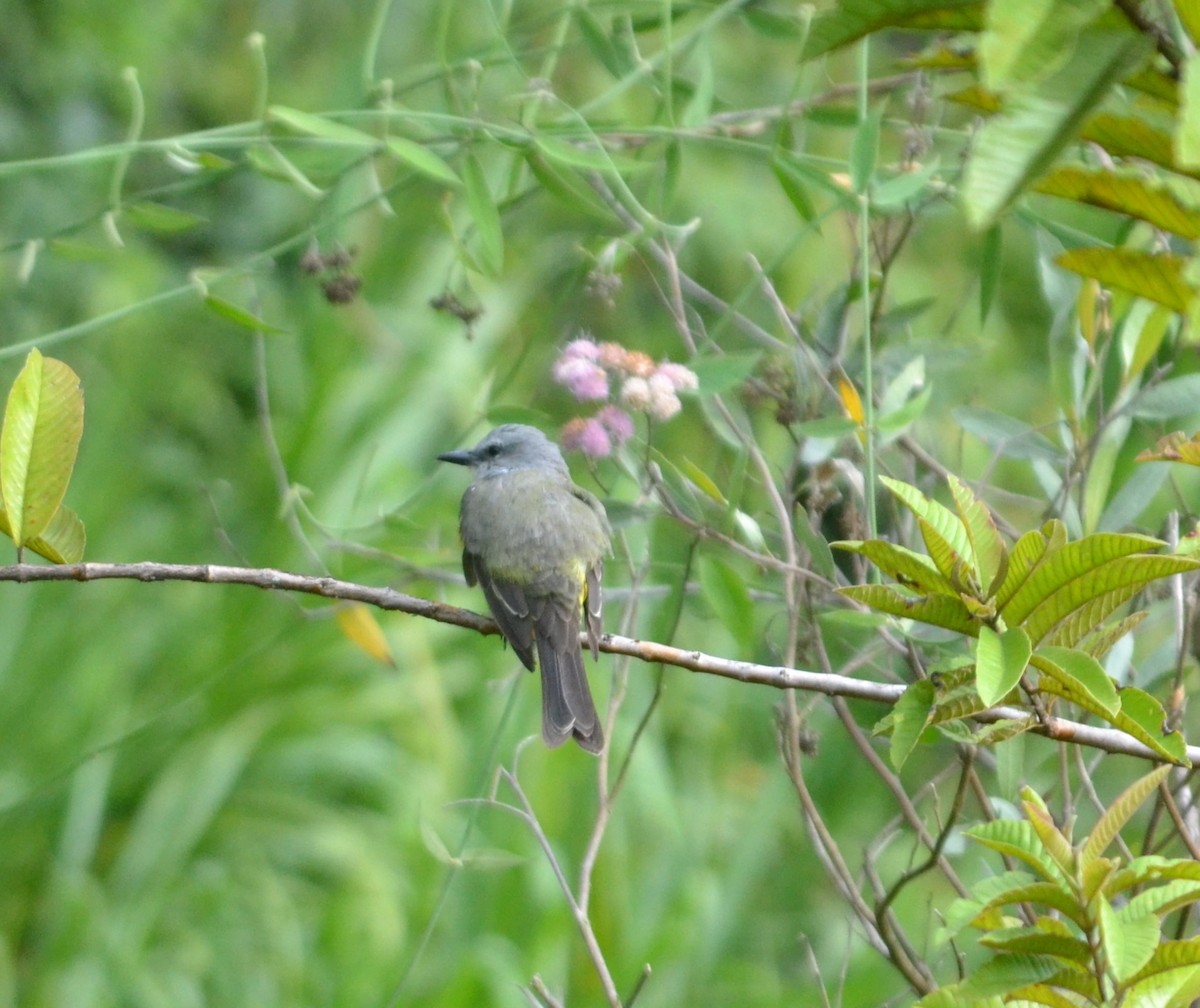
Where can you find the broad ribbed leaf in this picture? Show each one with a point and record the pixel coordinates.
(1134, 195)
(43, 423)
(1130, 136)
(1100, 589)
(1103, 638)
(850, 20)
(987, 547)
(1164, 899)
(913, 570)
(1017, 838)
(1005, 974)
(1119, 813)
(936, 610)
(1187, 136)
(1037, 941)
(1018, 145)
(945, 537)
(61, 542)
(1158, 278)
(1129, 942)
(1171, 955)
(1066, 564)
(1054, 841)
(1078, 674)
(1143, 717)
(1027, 40)
(1000, 659)
(910, 717)
(1026, 554)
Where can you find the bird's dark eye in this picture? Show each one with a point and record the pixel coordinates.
(492, 450)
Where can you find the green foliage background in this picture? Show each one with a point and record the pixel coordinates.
(209, 795)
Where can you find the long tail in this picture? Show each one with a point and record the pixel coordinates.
(567, 707)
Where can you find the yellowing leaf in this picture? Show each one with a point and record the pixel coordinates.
(43, 423)
(851, 402)
(358, 623)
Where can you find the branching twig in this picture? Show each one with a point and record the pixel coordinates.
(779, 677)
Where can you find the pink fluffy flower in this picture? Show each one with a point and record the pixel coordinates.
(583, 378)
(681, 377)
(587, 436)
(582, 348)
(617, 422)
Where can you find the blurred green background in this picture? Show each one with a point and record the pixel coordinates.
(209, 795)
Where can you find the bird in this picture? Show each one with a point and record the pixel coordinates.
(535, 543)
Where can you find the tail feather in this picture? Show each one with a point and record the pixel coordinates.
(567, 706)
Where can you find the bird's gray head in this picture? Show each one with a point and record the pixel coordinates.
(509, 447)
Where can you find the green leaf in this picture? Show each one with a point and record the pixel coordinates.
(61, 542)
(269, 161)
(1129, 942)
(483, 209)
(1017, 838)
(1018, 145)
(896, 192)
(722, 372)
(1011, 437)
(1119, 812)
(422, 159)
(792, 183)
(1143, 717)
(728, 599)
(865, 150)
(237, 315)
(1027, 40)
(43, 423)
(566, 187)
(912, 570)
(1171, 398)
(1000, 659)
(850, 20)
(910, 717)
(160, 217)
(990, 264)
(1079, 674)
(936, 610)
(319, 126)
(1072, 562)
(987, 547)
(1187, 136)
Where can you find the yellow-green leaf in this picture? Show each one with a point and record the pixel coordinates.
(1159, 278)
(358, 623)
(1000, 659)
(1134, 195)
(43, 423)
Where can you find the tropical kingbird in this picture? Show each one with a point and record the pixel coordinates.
(535, 542)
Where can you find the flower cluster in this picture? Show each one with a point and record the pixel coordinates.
(591, 371)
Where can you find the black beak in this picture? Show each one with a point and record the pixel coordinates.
(457, 457)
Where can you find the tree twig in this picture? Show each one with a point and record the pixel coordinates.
(776, 676)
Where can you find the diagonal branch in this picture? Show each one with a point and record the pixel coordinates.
(776, 676)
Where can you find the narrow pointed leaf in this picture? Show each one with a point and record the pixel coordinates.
(357, 621)
(936, 610)
(987, 546)
(43, 423)
(1017, 838)
(486, 216)
(913, 570)
(1119, 814)
(422, 159)
(1068, 563)
(1054, 842)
